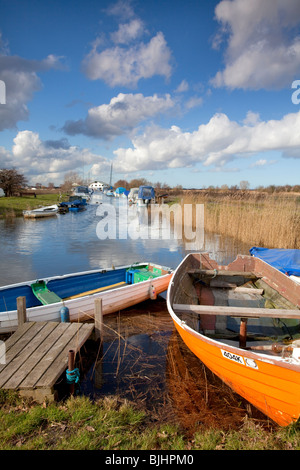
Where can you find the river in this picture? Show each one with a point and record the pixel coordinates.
(141, 351)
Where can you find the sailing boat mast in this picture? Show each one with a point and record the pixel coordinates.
(110, 180)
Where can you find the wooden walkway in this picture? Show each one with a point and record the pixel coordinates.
(36, 355)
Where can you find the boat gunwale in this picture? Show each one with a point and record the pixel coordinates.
(80, 273)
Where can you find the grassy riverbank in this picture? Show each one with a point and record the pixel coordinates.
(14, 206)
(114, 424)
(256, 218)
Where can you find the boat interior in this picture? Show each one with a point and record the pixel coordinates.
(236, 307)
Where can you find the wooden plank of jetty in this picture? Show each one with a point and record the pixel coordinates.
(36, 355)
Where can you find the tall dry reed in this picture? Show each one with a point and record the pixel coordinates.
(258, 219)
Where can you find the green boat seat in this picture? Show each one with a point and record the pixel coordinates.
(42, 293)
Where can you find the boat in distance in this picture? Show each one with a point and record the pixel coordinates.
(243, 322)
(118, 288)
(40, 212)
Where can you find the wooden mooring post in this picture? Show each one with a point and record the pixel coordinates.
(21, 308)
(243, 333)
(98, 319)
(71, 364)
(99, 338)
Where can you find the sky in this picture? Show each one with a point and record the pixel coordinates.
(195, 93)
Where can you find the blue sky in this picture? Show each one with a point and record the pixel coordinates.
(184, 92)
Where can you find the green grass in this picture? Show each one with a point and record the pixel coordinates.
(14, 206)
(115, 424)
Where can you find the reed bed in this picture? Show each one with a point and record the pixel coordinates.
(255, 218)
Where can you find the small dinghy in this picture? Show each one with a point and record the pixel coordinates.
(46, 211)
(243, 322)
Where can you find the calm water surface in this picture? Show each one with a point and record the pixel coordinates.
(30, 249)
(138, 347)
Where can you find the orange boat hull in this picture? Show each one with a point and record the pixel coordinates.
(272, 388)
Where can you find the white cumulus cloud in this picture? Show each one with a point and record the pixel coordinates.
(263, 43)
(128, 32)
(48, 160)
(215, 143)
(21, 82)
(126, 65)
(120, 115)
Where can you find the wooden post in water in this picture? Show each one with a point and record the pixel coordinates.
(99, 338)
(71, 363)
(243, 333)
(21, 307)
(98, 319)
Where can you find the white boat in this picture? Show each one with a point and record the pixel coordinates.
(96, 197)
(119, 288)
(133, 195)
(46, 211)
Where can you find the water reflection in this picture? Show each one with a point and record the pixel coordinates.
(145, 361)
(68, 243)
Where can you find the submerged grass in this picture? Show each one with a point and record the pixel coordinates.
(256, 218)
(115, 424)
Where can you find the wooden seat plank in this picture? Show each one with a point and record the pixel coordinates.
(223, 272)
(245, 312)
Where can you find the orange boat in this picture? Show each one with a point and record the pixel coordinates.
(226, 316)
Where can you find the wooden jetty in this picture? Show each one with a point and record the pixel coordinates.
(36, 355)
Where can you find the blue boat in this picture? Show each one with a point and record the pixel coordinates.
(74, 204)
(146, 195)
(119, 191)
(82, 191)
(118, 288)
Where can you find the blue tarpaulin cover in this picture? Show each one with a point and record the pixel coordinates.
(286, 261)
(146, 192)
(120, 190)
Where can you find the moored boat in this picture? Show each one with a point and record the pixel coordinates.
(119, 288)
(83, 192)
(40, 212)
(146, 195)
(243, 322)
(74, 204)
(133, 194)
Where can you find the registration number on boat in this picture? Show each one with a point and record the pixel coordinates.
(239, 359)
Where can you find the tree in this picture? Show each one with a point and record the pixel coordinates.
(122, 184)
(135, 183)
(244, 185)
(11, 181)
(71, 178)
